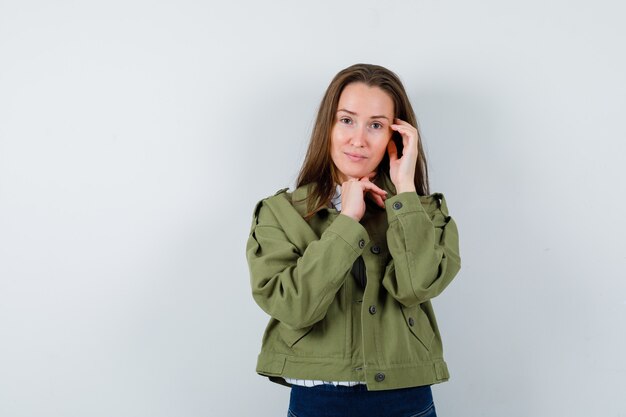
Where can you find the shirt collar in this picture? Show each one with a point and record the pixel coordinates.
(336, 200)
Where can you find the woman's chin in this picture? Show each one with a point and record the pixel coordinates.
(354, 175)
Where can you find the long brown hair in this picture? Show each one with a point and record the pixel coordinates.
(318, 168)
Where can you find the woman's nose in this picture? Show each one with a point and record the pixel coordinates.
(358, 137)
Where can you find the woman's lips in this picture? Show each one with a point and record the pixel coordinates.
(354, 157)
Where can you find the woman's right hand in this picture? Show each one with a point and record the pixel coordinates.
(353, 194)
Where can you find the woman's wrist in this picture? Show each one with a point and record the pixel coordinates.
(404, 188)
(351, 215)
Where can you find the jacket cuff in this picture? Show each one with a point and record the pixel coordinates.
(403, 203)
(351, 231)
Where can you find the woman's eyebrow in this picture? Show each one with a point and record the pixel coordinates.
(371, 117)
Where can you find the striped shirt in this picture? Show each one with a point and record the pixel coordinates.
(312, 383)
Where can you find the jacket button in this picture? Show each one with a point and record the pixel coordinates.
(375, 249)
(372, 309)
(411, 321)
(361, 243)
(397, 205)
(379, 377)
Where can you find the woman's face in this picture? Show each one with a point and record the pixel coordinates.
(361, 130)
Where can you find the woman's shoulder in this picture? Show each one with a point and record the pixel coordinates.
(282, 194)
(276, 208)
(285, 193)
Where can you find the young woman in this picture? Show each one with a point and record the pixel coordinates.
(347, 263)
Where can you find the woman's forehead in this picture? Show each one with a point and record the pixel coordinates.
(365, 101)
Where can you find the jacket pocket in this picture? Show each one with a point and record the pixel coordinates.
(417, 322)
(293, 336)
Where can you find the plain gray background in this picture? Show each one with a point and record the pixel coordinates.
(136, 136)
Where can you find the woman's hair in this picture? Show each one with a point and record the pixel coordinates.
(318, 167)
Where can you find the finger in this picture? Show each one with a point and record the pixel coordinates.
(406, 132)
(373, 188)
(406, 127)
(348, 184)
(410, 141)
(402, 125)
(368, 186)
(378, 199)
(400, 121)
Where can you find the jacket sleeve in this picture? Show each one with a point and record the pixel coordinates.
(296, 281)
(424, 244)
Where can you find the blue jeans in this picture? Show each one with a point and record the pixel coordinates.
(357, 401)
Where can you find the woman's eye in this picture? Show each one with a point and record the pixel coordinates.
(345, 120)
(377, 125)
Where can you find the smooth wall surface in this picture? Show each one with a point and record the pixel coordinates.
(136, 136)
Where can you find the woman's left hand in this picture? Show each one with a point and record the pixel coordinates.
(402, 170)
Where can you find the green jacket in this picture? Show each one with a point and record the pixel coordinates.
(324, 325)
